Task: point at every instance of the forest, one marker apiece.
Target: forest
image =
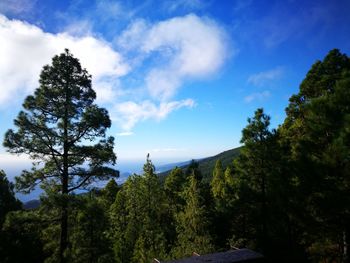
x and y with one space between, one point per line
286 195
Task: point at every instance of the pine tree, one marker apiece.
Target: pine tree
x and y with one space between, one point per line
316 132
223 196
109 193
57 128
173 186
254 169
89 240
193 225
8 201
137 218
151 242
218 183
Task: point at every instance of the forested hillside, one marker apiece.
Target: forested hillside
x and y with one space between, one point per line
206 165
285 193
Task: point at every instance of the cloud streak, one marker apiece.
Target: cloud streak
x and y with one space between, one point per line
17 7
128 113
261 78
260 96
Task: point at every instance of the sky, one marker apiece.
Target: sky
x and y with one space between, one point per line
179 78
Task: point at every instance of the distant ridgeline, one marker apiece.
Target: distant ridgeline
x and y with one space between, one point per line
206 165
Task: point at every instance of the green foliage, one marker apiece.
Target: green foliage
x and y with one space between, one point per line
193 226
8 201
109 192
254 171
218 182
207 165
89 240
20 238
137 217
173 186
316 132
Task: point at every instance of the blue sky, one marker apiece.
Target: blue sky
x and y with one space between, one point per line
179 78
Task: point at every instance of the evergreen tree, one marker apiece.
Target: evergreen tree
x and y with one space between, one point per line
316 132
218 182
254 167
120 226
52 129
8 201
109 193
193 224
20 238
151 242
223 195
138 218
89 240
173 186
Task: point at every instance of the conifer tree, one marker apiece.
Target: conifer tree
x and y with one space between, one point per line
173 186
89 240
57 129
193 225
8 201
218 182
151 242
254 168
316 132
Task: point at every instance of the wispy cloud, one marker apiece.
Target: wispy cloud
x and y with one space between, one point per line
125 133
127 114
261 78
16 7
188 5
239 5
286 21
294 25
187 47
259 96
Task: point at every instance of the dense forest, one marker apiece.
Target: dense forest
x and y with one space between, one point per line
286 195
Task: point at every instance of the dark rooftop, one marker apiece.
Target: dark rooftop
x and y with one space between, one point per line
231 256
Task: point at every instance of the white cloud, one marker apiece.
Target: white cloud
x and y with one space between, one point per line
187 47
133 35
261 78
260 96
79 28
168 53
26 48
127 114
125 133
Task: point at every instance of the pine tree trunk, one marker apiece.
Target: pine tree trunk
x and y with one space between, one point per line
64 211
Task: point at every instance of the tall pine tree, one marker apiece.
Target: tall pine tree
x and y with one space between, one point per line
56 129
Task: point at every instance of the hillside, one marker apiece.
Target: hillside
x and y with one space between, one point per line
206 165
